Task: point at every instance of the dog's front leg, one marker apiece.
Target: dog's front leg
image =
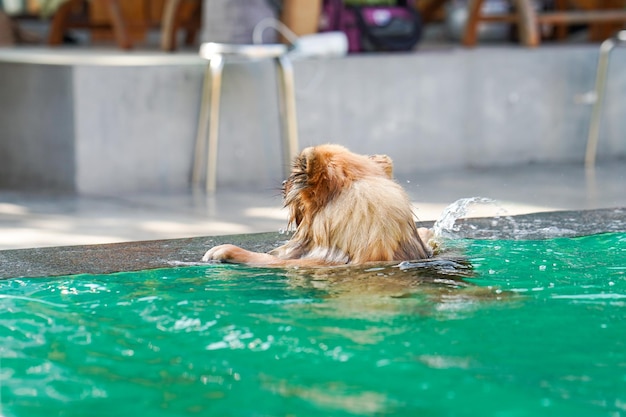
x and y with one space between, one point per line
236 255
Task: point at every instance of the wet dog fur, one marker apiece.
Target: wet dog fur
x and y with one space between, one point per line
346 208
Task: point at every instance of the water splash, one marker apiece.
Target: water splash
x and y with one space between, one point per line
446 226
287 230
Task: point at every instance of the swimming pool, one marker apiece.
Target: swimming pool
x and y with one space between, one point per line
535 328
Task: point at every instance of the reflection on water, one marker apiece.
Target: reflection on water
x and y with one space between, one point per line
334 397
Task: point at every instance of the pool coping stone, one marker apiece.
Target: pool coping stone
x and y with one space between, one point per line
141 255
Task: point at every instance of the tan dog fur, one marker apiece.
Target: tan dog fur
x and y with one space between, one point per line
347 210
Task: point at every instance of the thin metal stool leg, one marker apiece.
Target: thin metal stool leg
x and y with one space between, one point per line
600 89
596 112
216 66
206 144
289 119
201 133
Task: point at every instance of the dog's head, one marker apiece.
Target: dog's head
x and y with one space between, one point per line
320 173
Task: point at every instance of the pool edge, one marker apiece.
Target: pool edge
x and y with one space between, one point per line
133 256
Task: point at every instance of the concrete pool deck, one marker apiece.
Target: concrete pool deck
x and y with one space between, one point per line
179 228
135 256
29 220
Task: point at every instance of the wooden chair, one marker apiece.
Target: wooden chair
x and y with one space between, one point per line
430 8
75 14
529 21
169 15
180 14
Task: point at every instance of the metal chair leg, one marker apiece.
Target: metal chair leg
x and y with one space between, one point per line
208 123
216 67
208 126
600 88
289 120
201 133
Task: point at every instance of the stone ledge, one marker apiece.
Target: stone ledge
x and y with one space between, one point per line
133 256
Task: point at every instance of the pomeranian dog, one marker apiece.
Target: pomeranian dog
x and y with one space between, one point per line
346 209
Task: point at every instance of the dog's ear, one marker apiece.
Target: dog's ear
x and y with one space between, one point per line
321 175
307 161
301 166
385 163
313 162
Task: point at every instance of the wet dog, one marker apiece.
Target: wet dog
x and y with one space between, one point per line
346 208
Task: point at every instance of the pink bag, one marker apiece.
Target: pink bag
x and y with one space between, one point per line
374 28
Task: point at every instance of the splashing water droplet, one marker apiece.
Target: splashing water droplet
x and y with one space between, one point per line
286 231
500 224
444 226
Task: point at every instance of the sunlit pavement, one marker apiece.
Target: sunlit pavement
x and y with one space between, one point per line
30 220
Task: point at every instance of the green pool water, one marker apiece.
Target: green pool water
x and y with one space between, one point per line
537 329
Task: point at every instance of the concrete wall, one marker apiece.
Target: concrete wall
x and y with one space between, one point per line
463 108
134 127
36 127
95 127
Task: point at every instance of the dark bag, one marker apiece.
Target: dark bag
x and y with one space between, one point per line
374 28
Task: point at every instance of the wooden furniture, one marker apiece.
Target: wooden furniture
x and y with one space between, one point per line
429 9
598 32
127 21
75 14
529 21
301 16
180 14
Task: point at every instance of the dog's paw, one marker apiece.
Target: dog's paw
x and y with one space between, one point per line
221 253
